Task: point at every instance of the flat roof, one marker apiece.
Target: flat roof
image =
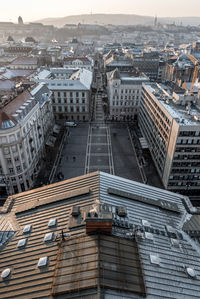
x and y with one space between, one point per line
176 111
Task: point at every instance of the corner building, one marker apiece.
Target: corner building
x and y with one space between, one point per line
25 124
171 126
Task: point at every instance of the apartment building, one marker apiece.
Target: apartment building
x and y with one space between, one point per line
25 124
24 63
171 126
124 93
79 62
71 89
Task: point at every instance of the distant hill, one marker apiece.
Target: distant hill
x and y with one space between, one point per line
117 19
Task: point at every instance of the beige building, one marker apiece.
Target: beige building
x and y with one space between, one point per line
25 124
173 135
71 89
24 63
124 93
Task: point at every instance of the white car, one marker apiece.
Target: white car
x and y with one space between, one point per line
70 124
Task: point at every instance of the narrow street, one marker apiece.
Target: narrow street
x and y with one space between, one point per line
99 150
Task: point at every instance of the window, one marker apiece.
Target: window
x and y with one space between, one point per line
14 148
18 168
9 161
11 170
6 150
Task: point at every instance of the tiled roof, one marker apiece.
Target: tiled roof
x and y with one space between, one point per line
14 105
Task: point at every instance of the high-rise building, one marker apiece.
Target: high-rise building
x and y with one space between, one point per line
171 126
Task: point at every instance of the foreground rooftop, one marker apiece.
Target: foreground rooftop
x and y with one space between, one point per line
98 236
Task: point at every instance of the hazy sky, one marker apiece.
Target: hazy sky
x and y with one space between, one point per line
36 9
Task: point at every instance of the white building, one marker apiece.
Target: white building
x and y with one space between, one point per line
24 127
173 135
79 62
71 90
124 93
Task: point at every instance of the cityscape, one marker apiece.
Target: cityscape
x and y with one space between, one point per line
100 154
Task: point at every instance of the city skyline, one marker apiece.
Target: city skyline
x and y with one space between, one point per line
38 10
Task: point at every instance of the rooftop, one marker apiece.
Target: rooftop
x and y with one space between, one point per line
145 253
178 112
24 60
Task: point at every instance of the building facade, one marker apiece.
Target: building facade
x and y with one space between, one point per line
124 93
173 135
25 124
79 62
71 90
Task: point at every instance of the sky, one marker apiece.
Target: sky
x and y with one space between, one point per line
31 10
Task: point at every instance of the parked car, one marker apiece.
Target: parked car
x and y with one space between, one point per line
70 124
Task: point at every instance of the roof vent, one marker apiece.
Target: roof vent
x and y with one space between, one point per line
170 229
121 211
21 243
145 222
5 273
43 261
154 259
191 272
27 229
75 211
48 237
148 236
175 242
52 222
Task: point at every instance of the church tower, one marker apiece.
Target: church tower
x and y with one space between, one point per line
155 21
20 21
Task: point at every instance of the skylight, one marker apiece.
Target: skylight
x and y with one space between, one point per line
191 272
154 259
5 273
27 229
21 243
43 261
148 236
52 222
48 237
145 222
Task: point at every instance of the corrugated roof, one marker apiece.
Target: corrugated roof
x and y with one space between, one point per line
166 280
